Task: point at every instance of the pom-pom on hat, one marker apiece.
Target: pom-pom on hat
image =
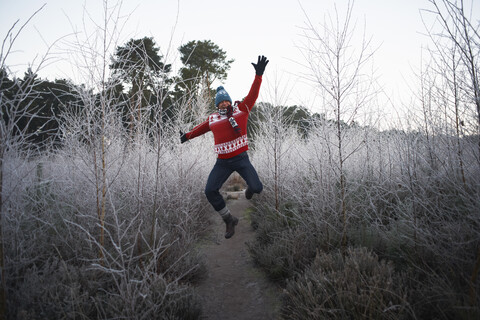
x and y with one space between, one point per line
222 95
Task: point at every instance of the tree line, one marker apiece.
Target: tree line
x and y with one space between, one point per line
140 83
142 87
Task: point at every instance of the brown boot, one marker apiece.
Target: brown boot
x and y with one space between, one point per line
231 222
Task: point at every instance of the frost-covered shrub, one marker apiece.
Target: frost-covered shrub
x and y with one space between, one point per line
285 252
155 211
439 296
61 290
284 244
404 198
355 286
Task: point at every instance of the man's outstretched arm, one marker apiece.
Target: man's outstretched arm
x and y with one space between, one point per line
249 101
202 128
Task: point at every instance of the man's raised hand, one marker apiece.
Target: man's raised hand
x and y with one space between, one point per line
260 65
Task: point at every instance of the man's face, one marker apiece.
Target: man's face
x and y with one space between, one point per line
224 104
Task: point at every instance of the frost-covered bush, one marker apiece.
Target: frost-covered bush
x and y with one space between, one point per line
280 247
59 289
356 285
58 264
404 199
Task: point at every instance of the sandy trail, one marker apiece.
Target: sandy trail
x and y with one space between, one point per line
233 287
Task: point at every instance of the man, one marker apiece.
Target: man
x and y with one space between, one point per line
229 128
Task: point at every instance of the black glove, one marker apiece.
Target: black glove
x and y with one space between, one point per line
260 65
183 137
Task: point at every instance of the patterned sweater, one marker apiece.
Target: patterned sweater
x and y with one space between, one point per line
227 143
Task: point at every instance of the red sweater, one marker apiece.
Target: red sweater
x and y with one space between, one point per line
227 143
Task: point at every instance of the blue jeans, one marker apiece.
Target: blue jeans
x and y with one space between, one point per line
222 170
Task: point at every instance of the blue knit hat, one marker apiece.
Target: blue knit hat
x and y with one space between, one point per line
222 95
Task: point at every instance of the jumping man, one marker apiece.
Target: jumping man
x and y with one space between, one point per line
229 127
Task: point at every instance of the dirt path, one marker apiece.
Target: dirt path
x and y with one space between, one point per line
234 288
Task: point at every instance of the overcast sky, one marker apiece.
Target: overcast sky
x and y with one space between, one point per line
244 29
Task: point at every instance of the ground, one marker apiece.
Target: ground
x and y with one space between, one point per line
234 288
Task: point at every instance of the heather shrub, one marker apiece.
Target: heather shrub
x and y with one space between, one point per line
400 201
286 252
56 265
61 289
439 295
282 246
138 260
356 285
